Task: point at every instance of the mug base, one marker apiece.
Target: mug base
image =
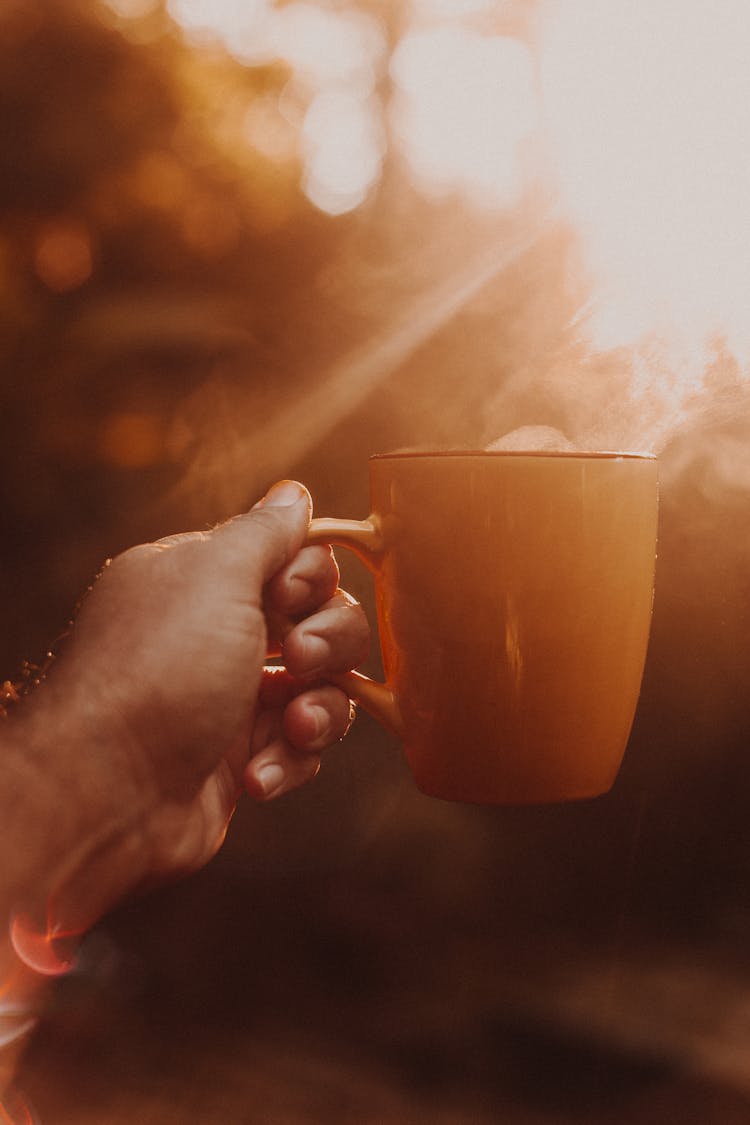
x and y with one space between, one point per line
512 798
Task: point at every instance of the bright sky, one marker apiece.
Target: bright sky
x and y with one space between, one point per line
648 106
645 108
464 102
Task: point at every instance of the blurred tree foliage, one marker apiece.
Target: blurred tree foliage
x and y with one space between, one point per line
165 288
142 246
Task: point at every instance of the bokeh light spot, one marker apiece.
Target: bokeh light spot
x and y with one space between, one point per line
453 9
269 131
210 226
158 181
132 440
464 102
63 256
241 26
326 47
133 9
344 148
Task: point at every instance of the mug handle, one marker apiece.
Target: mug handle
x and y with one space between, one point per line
364 539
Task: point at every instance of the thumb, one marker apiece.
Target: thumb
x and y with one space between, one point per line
272 532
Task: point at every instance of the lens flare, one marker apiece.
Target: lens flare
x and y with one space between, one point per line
50 952
648 111
19 1011
304 421
14 1110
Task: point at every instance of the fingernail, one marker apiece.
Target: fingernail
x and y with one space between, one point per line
270 778
315 654
282 495
321 721
299 592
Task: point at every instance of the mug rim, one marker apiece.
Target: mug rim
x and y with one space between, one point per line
584 454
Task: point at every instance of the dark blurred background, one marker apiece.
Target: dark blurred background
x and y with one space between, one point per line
196 299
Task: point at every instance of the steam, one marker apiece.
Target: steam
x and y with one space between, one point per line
539 439
648 111
641 398
644 114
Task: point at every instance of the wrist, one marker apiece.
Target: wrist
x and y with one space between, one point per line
74 809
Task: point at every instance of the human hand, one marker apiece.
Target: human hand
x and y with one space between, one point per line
161 709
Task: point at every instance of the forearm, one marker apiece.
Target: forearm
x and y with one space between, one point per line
67 847
33 828
65 822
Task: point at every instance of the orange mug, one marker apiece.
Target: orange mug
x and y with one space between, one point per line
514 595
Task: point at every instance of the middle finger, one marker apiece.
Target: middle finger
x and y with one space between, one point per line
334 639
304 584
